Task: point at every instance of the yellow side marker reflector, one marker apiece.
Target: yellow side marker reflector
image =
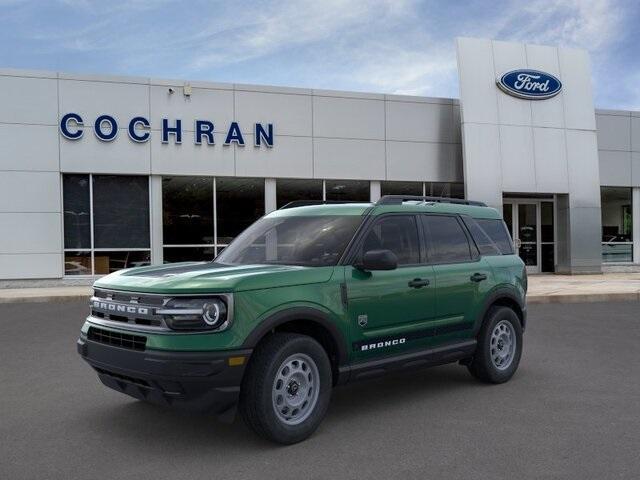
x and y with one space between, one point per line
236 361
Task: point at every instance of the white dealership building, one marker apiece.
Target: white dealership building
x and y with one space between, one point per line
98 173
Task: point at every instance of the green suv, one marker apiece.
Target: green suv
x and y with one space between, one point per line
309 297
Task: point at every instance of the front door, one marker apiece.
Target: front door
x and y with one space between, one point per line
531 224
388 309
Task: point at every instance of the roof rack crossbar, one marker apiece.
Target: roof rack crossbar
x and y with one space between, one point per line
399 199
306 203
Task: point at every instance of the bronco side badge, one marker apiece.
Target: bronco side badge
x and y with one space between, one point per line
362 320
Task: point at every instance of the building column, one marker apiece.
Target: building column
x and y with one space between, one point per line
155 197
374 190
635 216
270 203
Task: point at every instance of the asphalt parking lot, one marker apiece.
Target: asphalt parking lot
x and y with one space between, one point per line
571 411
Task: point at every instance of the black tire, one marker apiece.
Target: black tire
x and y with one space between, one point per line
482 366
256 403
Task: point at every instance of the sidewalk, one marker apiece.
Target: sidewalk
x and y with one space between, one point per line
611 287
42 295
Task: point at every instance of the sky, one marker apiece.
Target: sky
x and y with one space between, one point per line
383 46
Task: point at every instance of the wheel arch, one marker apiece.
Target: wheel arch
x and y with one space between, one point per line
506 298
307 321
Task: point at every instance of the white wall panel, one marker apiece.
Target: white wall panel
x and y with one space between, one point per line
615 168
510 56
338 117
576 89
30 192
614 132
121 155
30 233
203 104
349 159
420 122
28 266
550 152
123 101
635 168
28 100
477 81
516 151
290 114
293 158
583 168
191 159
457 125
550 112
635 134
482 169
419 161
29 147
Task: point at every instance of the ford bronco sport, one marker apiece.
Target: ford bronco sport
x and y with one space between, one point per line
310 297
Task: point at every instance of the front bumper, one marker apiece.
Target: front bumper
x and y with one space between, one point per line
200 381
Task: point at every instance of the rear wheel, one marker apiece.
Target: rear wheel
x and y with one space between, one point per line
286 389
499 346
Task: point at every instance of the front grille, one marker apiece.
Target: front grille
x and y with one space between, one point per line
117 339
129 297
135 309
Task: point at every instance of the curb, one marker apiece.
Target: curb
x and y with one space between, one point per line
584 298
44 299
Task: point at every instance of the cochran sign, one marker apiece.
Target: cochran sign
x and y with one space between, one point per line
529 84
105 128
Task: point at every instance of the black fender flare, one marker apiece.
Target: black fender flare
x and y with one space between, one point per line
299 313
499 294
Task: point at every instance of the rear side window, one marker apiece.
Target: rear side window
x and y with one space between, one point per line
446 240
485 245
497 231
397 233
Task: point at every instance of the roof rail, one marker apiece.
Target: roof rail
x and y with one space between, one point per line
306 203
399 199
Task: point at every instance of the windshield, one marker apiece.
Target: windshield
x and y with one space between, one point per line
315 241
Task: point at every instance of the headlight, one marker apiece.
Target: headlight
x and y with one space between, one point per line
195 314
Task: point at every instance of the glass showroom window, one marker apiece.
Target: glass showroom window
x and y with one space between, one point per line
347 190
239 203
401 188
617 227
187 219
290 190
201 215
429 189
106 223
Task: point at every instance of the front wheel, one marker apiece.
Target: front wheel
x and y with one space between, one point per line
499 346
286 389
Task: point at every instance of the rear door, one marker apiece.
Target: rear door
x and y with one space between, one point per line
462 276
387 308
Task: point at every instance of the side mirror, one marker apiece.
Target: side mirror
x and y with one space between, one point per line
378 260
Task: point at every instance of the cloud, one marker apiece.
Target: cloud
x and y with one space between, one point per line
394 46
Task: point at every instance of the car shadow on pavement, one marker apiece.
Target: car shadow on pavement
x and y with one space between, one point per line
154 427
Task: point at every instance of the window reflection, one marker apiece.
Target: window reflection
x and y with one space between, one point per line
617 224
348 190
187 210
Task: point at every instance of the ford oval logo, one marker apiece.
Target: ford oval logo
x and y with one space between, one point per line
529 84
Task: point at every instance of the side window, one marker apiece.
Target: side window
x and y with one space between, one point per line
497 231
483 242
397 233
446 239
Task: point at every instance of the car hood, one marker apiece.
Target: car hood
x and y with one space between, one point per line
211 277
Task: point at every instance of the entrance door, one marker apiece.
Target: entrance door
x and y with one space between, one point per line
531 224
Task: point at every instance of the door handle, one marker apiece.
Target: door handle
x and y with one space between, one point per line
478 277
418 282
